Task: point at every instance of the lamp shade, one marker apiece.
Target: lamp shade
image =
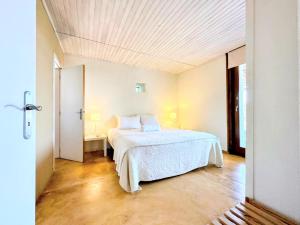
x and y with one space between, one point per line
173 116
95 116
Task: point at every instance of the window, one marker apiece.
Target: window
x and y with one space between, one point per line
140 87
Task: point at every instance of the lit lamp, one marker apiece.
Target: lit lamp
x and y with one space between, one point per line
95 117
172 119
173 116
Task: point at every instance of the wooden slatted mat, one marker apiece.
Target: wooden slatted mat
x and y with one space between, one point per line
247 213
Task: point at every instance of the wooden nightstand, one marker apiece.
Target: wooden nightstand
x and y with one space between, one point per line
98 138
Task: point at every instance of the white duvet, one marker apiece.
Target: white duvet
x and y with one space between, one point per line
147 156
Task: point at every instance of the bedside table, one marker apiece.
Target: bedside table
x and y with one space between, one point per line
98 138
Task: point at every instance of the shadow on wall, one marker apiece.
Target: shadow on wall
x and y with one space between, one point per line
111 123
44 168
101 126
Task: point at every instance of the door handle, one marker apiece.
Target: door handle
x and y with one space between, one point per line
33 107
81 112
237 108
27 111
28 116
26 107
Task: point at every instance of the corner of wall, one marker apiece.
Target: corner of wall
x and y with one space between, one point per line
47 45
249 188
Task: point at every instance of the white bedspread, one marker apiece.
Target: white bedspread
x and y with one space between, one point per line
146 156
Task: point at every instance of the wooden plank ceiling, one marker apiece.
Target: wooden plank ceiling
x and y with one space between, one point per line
167 35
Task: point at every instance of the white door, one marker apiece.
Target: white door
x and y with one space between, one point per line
17 75
72 110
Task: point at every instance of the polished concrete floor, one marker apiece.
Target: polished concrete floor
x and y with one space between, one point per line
89 193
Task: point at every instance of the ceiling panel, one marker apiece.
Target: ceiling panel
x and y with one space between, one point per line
168 35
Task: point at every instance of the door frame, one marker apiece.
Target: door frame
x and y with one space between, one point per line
233 139
56 105
250 18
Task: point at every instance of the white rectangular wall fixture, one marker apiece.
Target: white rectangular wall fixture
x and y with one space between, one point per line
140 87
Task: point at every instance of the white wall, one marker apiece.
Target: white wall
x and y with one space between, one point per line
110 91
47 46
202 98
273 163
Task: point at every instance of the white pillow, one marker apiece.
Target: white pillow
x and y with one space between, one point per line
129 122
149 123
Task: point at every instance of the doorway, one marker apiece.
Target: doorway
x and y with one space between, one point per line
236 109
56 109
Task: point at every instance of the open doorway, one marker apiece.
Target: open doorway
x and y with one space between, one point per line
236 108
56 109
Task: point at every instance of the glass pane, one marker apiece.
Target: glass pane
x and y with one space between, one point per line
140 87
242 104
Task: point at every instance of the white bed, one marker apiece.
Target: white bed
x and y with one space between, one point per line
148 156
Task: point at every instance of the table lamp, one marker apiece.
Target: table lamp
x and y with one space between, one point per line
95 117
173 116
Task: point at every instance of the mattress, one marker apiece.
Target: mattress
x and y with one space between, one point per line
148 156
